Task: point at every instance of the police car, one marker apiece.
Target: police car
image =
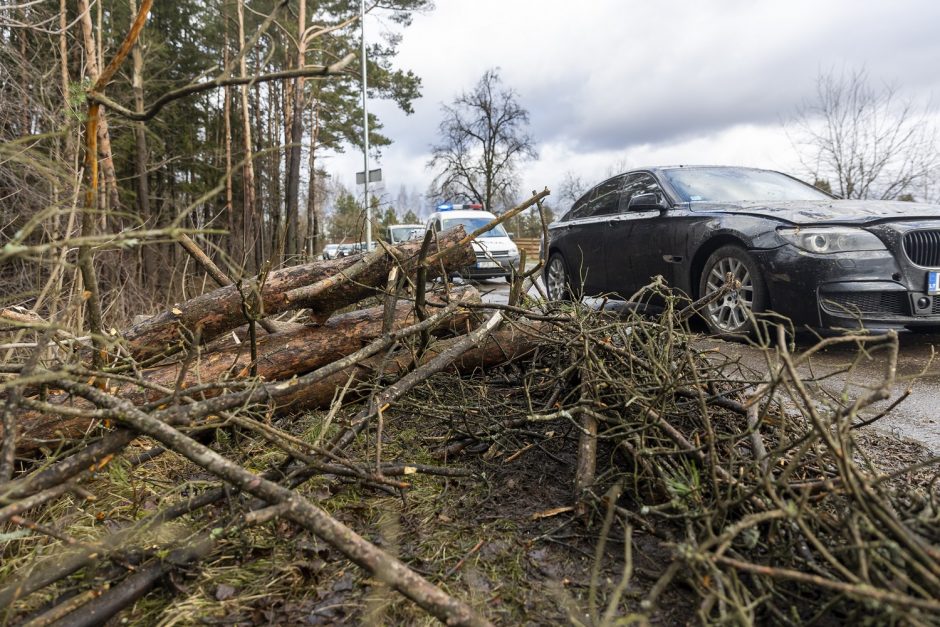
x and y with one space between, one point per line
497 255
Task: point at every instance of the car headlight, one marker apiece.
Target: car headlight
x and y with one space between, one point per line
832 240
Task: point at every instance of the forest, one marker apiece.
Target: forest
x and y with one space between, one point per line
238 159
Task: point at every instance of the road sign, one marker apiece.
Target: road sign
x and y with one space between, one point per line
374 177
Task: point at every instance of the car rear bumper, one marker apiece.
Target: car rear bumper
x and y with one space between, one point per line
850 290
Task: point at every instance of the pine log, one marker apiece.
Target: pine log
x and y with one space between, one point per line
280 356
221 310
296 352
510 343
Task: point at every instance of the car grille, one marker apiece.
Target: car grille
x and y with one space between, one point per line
923 247
495 254
882 303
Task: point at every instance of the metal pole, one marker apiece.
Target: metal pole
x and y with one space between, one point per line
365 129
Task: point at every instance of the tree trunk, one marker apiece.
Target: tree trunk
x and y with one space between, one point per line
141 158
248 177
502 346
219 311
280 357
104 137
296 137
311 237
274 196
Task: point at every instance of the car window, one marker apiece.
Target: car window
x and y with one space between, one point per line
472 224
640 183
580 206
723 184
606 200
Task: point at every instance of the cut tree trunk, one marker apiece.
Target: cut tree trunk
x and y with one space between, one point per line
280 357
221 310
510 343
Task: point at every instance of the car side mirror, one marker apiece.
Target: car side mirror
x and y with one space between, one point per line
648 201
511 235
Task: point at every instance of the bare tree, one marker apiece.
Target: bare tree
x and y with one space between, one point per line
483 139
571 188
867 142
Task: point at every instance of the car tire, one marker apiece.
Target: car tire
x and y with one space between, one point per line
730 316
556 277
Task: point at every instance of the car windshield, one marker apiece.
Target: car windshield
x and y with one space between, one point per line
472 224
738 184
401 233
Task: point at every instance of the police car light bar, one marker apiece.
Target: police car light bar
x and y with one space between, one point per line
450 207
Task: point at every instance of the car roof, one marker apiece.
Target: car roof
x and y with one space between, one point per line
693 166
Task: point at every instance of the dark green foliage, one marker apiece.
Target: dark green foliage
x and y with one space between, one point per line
186 142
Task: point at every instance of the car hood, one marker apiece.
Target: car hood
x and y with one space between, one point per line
836 211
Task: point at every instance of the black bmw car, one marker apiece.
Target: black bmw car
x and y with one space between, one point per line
819 260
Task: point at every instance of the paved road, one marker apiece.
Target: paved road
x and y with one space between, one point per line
917 417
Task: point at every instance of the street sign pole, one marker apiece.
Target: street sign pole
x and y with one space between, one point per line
365 129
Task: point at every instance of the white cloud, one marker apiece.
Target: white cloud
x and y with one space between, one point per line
612 82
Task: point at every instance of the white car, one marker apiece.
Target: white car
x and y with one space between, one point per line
329 251
398 233
497 254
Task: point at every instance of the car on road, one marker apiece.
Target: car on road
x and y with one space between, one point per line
329 251
346 250
398 233
792 248
497 255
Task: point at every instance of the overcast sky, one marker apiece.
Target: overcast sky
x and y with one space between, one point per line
614 84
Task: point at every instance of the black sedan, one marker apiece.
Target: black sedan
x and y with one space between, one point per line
796 250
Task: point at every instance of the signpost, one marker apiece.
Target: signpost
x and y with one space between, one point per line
365 131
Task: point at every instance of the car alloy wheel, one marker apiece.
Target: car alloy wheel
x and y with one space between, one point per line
730 314
556 279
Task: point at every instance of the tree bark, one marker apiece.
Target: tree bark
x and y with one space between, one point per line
280 357
104 137
504 345
141 158
219 311
312 235
248 177
296 137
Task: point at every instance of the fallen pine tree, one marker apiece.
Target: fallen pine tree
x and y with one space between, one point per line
278 356
92 414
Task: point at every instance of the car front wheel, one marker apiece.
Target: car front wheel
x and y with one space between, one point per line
730 314
556 279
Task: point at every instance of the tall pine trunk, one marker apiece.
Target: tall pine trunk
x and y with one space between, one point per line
296 137
312 244
252 240
148 260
